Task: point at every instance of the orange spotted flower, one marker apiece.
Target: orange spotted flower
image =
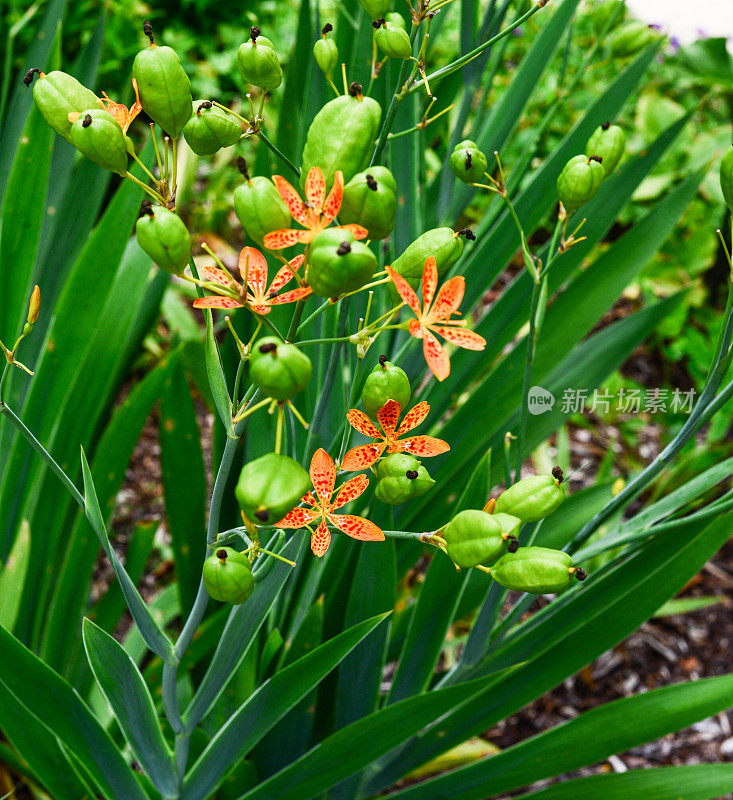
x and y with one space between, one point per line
259 298
323 475
365 455
122 114
315 215
436 317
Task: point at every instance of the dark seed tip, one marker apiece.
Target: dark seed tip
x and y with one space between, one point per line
557 474
599 159
242 166
513 545
268 347
148 31
468 233
411 474
469 160
371 183
254 32
146 207
222 554
581 574
87 121
382 360
262 515
204 104
28 79
605 126
377 24
343 249
327 28
355 89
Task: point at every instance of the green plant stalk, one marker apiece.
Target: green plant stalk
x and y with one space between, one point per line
278 152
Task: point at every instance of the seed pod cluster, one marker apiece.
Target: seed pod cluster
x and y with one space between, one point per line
385 382
57 94
400 478
370 200
270 486
277 369
338 264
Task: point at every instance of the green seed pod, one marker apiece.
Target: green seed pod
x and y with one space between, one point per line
467 162
210 129
270 486
392 40
608 142
385 382
376 8
57 95
603 12
277 369
165 90
509 524
532 499
443 243
336 269
326 52
631 38
259 206
258 62
341 136
228 576
473 537
537 570
164 237
400 478
726 178
370 200
395 19
97 135
579 181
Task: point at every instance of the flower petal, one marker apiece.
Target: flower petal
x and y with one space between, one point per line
359 420
287 237
356 230
217 302
350 490
320 540
461 337
323 474
435 356
406 292
388 416
284 275
252 264
291 296
429 282
362 457
315 188
414 417
296 207
333 202
258 308
357 527
425 446
298 518
215 275
449 298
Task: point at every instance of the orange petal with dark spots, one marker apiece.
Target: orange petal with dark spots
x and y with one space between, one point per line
323 474
350 490
320 540
217 302
357 527
362 457
425 446
414 417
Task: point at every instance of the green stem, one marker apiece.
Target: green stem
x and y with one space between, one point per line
314 315
157 197
295 325
278 153
143 167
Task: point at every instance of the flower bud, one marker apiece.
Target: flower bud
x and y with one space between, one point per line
258 62
579 181
57 95
532 499
164 237
608 143
385 382
210 129
392 40
277 369
467 162
34 305
259 207
444 244
370 200
400 478
337 264
269 487
228 576
97 135
326 52
474 537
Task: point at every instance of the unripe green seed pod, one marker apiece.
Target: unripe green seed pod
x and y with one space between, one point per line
630 38
392 40
532 499
165 90
57 95
385 382
467 162
726 178
326 52
537 570
97 135
509 524
444 244
603 12
341 136
259 206
210 129
164 237
270 486
370 200
336 269
474 537
258 62
277 369
376 8
608 142
228 576
400 478
579 181
395 19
